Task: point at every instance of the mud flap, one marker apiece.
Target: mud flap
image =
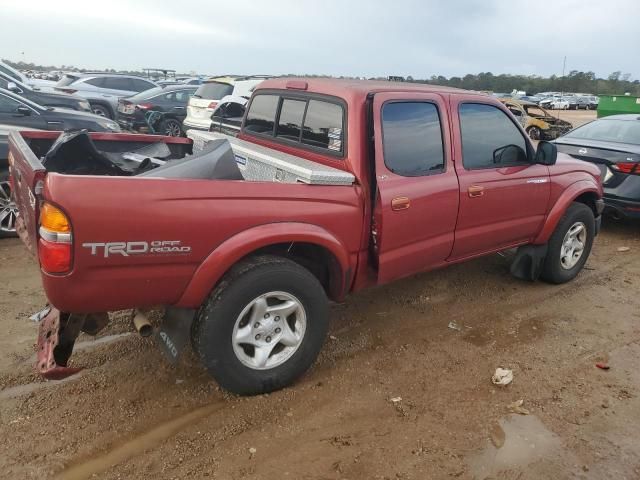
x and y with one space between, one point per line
174 331
527 264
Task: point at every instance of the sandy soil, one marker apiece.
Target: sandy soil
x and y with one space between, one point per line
130 415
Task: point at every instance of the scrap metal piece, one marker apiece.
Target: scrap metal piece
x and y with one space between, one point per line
56 337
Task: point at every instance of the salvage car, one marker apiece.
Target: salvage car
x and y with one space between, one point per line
170 100
537 122
47 99
103 90
613 144
330 187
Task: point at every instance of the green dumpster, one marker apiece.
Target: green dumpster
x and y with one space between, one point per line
617 104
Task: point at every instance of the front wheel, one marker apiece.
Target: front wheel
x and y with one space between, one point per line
534 133
170 127
570 244
263 326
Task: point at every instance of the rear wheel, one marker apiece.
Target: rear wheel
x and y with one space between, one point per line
8 208
263 326
570 244
101 110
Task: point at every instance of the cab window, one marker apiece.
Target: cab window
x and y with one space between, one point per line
486 131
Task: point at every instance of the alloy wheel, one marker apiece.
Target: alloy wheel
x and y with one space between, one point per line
573 245
8 209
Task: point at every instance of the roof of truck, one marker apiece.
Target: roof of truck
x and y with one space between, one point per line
338 86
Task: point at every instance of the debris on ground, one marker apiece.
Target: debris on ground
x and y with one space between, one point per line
333 337
624 249
603 366
455 326
252 450
395 399
497 435
516 407
502 377
38 316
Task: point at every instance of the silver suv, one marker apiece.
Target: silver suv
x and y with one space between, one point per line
103 90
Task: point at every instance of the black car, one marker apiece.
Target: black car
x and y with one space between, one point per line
171 101
614 144
47 99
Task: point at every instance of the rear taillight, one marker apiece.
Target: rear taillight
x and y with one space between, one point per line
55 245
627 167
213 105
144 106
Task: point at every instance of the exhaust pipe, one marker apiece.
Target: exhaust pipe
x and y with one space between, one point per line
142 324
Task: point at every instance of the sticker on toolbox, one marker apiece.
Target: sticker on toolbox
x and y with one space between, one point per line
240 159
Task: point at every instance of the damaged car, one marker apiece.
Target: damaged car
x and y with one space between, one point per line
537 122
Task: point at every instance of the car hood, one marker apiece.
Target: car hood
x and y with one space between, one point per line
583 142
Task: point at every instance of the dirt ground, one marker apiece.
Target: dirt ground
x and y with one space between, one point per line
396 394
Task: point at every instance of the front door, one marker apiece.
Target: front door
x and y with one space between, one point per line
503 195
417 198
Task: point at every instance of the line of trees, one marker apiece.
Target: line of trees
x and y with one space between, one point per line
575 81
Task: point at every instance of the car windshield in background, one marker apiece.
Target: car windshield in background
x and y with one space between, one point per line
618 131
66 80
214 90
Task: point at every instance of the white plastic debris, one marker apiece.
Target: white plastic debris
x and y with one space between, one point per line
455 326
624 249
395 399
252 451
502 377
38 316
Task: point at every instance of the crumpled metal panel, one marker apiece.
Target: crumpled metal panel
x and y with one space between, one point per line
258 163
49 339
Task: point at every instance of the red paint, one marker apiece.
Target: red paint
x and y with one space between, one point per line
223 221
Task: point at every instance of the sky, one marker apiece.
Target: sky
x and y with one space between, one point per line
350 37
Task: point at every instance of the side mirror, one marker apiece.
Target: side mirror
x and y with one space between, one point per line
11 86
509 155
547 153
23 111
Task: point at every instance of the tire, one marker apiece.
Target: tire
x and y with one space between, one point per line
101 110
170 127
557 268
221 320
8 209
534 133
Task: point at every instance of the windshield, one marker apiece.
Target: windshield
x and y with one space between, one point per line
213 90
67 80
618 131
9 71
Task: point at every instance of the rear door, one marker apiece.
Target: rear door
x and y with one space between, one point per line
417 198
503 201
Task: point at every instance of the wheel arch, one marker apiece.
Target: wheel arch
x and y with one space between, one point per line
582 191
310 246
105 104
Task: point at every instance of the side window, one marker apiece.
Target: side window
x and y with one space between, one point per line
412 138
290 120
118 83
486 130
183 95
323 125
262 114
96 82
8 105
139 85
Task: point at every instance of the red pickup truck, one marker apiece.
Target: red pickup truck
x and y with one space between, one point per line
412 178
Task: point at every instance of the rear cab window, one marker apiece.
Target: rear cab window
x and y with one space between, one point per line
310 122
213 90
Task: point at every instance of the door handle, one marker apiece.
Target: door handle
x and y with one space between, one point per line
475 191
400 203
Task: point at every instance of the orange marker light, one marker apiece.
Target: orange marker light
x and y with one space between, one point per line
53 219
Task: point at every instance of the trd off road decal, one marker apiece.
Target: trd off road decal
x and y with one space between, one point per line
155 247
